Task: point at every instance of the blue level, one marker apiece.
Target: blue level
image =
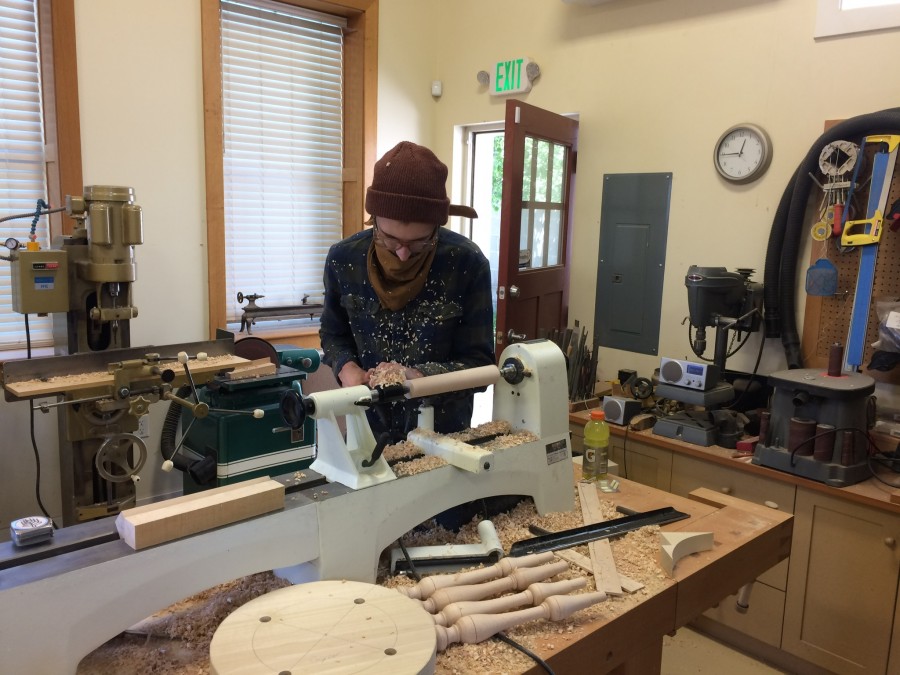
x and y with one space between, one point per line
866 234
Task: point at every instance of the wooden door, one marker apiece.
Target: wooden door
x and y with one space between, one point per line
535 223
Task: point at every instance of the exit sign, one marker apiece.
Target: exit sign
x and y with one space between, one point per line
509 77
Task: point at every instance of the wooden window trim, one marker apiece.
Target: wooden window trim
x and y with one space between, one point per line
62 122
360 105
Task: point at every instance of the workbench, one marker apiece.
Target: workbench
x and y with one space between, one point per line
834 603
748 539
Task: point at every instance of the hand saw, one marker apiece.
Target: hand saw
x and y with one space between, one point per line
866 234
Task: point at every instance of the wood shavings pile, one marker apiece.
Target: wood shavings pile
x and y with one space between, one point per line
387 373
227 361
408 459
401 451
176 640
636 555
487 429
418 465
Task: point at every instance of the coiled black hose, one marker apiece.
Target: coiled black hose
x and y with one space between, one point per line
167 443
788 226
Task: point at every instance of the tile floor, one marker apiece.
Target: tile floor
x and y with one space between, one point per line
690 652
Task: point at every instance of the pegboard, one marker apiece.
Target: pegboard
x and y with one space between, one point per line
827 319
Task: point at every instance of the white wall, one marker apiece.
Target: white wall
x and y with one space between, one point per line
654 82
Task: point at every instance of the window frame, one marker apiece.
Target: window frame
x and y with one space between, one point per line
360 106
832 20
61 122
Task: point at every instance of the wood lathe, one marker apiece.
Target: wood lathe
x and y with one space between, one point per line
334 525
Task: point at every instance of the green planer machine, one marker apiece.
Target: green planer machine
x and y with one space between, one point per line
243 436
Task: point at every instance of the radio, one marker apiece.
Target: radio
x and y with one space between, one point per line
700 376
620 410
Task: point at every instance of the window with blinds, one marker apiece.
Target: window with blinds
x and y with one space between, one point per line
22 178
282 73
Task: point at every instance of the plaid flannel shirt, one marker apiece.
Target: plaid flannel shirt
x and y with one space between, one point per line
448 326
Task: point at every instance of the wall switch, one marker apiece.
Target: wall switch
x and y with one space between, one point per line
437 88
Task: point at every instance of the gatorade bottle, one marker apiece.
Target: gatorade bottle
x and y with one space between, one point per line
595 463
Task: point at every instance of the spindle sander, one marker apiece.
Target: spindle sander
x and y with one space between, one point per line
818 422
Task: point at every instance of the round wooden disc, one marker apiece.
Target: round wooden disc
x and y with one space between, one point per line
333 627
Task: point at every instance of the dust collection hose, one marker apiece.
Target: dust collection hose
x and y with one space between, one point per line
167 443
788 226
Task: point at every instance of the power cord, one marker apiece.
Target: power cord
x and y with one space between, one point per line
503 637
34 447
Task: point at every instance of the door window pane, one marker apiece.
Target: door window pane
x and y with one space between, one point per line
543 181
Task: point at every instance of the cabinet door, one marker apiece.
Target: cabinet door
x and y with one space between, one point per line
642 463
689 473
842 584
763 619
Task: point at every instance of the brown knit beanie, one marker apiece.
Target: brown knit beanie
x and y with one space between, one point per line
409 184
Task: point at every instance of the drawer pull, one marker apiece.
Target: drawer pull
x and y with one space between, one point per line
890 542
770 504
726 490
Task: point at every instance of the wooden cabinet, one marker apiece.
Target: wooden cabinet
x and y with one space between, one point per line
641 462
763 619
842 585
834 604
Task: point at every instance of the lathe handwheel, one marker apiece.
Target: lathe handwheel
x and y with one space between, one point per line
293 412
113 459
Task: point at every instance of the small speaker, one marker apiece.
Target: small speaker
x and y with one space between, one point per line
620 410
688 374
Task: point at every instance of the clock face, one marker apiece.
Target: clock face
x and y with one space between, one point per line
742 153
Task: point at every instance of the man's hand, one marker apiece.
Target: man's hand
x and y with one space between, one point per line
352 375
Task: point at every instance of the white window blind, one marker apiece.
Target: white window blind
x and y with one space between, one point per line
22 178
282 73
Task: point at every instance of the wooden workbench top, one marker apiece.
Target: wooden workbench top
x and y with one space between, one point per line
748 539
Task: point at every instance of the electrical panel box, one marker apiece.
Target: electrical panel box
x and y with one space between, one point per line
40 282
634 222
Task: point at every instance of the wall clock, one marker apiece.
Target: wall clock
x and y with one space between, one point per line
743 153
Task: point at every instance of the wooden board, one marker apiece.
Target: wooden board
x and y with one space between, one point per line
606 577
153 524
326 627
254 368
66 383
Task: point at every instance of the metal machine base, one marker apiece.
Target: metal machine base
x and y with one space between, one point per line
693 428
830 473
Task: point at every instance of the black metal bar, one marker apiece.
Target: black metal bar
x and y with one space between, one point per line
587 533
